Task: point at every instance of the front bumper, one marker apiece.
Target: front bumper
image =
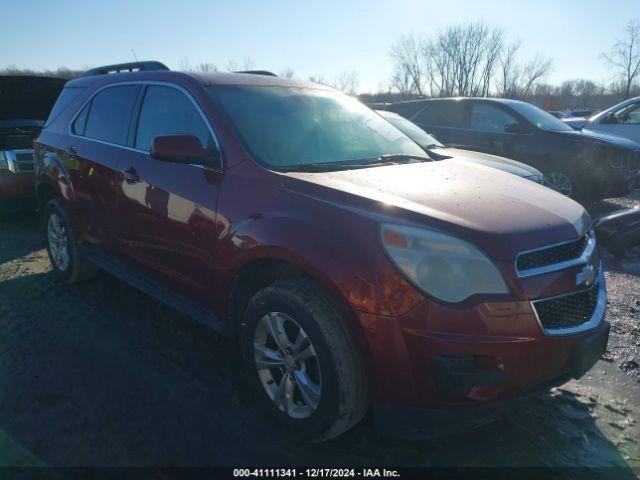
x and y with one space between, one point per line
487 351
410 422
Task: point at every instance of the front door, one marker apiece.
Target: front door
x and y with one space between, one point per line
168 210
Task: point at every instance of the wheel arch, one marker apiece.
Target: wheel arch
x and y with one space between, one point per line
258 273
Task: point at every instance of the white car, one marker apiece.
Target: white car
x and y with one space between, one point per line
622 120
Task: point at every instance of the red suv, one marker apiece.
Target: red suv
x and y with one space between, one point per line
353 272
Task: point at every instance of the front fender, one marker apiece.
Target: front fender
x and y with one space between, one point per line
347 260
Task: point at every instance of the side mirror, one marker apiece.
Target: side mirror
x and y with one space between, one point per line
609 118
515 128
178 149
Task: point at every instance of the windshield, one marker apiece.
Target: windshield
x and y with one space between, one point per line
285 127
539 117
411 130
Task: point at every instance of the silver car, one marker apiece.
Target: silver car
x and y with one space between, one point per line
622 120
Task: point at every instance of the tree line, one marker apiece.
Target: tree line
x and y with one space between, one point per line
475 59
468 59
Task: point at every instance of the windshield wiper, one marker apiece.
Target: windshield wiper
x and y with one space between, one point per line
396 157
321 167
387 159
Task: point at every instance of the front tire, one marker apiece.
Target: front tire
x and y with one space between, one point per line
567 184
306 370
62 246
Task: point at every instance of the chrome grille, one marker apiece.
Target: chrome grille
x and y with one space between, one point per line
567 311
532 261
20 161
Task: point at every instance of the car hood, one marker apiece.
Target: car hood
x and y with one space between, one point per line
575 122
501 213
599 138
493 161
28 97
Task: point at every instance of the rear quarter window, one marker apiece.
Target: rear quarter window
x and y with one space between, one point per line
66 97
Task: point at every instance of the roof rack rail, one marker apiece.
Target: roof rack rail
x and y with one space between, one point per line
125 67
257 72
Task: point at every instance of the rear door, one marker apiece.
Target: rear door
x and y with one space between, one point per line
92 154
168 210
447 120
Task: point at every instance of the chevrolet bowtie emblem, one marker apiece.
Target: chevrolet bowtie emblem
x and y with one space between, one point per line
586 277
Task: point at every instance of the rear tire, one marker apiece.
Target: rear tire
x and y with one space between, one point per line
326 393
65 254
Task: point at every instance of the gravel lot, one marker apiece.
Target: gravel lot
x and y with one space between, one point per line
99 374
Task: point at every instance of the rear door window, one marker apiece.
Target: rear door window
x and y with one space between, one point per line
444 114
490 118
110 112
168 111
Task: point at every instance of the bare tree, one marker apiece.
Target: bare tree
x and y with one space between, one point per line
624 56
463 60
287 73
518 80
409 75
206 67
347 81
234 66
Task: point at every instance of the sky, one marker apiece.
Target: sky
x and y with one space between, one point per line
311 37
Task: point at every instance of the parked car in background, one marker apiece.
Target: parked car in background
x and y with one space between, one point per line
581 112
437 151
622 119
352 271
25 103
584 165
559 114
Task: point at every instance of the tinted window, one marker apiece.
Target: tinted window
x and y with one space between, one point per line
444 114
167 111
485 116
539 117
81 120
67 96
110 113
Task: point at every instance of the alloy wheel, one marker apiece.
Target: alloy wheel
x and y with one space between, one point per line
560 182
287 365
58 242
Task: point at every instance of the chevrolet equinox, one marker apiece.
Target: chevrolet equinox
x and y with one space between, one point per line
353 273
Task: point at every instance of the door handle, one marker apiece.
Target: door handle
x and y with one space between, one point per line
130 175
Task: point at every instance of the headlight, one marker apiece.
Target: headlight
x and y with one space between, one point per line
4 164
445 267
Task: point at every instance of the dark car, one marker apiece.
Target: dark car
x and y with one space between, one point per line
559 114
25 103
584 165
437 151
353 272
